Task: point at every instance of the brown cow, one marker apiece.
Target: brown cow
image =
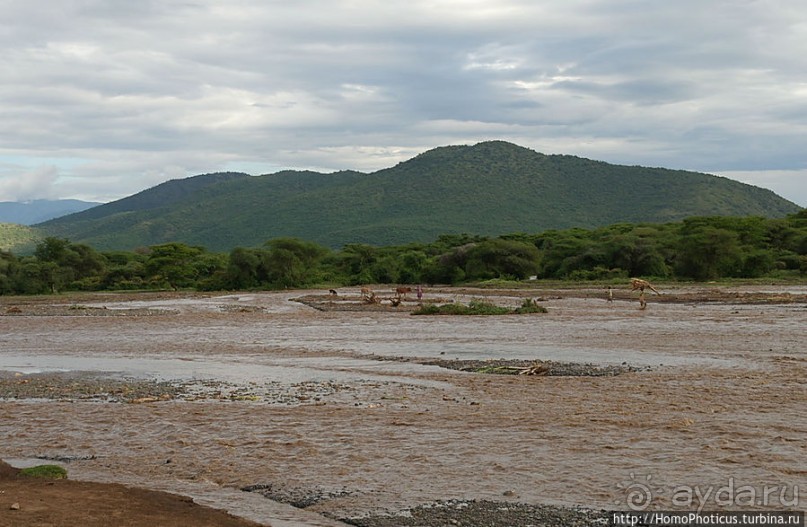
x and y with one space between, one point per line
400 292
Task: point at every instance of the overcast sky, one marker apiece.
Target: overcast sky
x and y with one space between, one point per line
100 99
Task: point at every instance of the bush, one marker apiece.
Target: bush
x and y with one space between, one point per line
530 306
478 307
598 273
45 472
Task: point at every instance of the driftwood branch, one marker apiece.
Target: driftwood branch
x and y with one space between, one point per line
535 369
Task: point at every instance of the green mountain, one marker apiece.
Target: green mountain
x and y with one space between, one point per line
490 188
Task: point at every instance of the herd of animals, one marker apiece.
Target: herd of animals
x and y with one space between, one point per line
369 296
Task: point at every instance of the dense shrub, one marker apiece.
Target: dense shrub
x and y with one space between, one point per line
698 248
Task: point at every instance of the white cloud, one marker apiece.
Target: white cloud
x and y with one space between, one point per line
126 94
32 184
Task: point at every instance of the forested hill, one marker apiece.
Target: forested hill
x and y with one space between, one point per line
490 188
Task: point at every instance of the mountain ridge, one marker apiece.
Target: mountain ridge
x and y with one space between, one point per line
36 211
490 188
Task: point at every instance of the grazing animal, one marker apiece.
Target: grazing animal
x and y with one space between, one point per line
333 292
638 283
400 292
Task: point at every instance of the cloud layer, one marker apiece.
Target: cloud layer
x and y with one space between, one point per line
103 98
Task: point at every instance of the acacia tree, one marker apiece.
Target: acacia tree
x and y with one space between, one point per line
63 264
500 258
354 263
566 251
9 267
707 253
290 262
242 269
413 263
173 264
636 255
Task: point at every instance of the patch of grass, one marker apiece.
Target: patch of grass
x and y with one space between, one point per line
530 306
45 472
475 307
478 307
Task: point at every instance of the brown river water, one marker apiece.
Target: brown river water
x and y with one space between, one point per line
716 418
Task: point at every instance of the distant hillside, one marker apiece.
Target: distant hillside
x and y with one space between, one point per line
490 188
39 210
19 239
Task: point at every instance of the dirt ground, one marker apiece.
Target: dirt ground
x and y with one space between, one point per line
35 502
291 415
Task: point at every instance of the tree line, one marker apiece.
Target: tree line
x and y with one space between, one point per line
698 248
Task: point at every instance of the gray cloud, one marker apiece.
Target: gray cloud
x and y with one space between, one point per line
33 184
115 96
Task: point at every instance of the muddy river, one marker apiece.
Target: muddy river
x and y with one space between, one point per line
336 406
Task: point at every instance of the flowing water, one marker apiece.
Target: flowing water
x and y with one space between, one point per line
724 405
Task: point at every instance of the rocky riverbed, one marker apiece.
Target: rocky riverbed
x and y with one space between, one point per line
381 418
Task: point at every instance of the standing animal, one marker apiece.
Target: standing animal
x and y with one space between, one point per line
638 283
400 292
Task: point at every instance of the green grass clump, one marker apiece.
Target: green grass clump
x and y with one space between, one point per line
530 306
45 472
478 307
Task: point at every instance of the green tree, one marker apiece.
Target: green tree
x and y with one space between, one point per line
34 277
499 258
566 251
757 263
173 264
69 265
707 253
386 269
637 255
354 263
290 262
242 269
124 270
449 267
9 270
413 263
